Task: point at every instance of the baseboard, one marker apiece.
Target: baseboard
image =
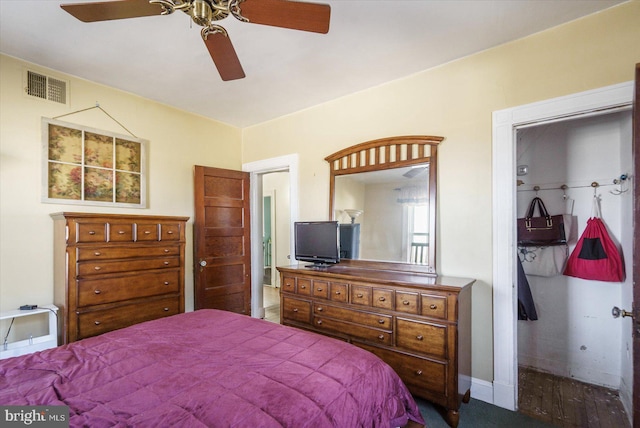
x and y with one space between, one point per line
482 390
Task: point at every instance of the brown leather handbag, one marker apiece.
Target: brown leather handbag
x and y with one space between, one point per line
544 230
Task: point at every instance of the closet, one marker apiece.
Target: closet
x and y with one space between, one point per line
567 163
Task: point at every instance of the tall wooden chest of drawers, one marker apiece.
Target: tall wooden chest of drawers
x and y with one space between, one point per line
112 271
419 324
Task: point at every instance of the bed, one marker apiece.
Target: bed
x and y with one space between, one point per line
215 369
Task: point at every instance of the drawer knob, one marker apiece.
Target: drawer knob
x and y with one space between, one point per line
319 288
166 283
166 250
320 309
121 232
97 268
432 306
381 337
92 232
418 372
359 295
295 309
170 232
303 286
381 321
382 299
96 322
419 337
166 263
147 232
319 322
166 309
97 291
337 293
405 302
97 253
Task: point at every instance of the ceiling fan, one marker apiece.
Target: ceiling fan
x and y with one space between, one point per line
295 15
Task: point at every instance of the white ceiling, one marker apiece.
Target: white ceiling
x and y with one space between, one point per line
369 43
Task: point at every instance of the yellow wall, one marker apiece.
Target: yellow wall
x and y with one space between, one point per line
456 101
177 142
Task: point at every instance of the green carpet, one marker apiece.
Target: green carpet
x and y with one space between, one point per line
478 414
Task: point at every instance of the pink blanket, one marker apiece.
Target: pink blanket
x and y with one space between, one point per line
215 369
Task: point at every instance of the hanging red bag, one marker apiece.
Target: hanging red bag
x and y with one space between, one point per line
595 257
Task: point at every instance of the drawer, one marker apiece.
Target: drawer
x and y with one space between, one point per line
304 286
407 302
121 232
289 284
98 267
356 317
147 232
296 310
434 305
108 252
383 298
109 290
423 337
356 331
321 289
361 295
170 232
97 322
91 232
419 374
338 292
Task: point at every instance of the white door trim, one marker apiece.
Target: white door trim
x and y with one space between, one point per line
505 123
256 170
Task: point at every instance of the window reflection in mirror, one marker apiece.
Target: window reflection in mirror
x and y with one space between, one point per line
384 215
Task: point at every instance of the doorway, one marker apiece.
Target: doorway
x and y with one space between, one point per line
571 342
274 180
505 125
276 237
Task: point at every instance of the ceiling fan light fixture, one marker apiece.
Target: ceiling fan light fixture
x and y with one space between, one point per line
292 14
201 12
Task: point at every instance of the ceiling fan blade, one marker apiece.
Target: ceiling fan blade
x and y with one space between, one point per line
296 15
224 55
108 10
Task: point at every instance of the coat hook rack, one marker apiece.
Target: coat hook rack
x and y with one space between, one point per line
621 182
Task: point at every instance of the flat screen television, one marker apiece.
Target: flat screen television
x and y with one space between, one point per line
317 242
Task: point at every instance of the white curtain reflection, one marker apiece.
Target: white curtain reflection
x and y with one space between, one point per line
413 195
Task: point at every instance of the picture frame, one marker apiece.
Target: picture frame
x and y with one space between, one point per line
88 166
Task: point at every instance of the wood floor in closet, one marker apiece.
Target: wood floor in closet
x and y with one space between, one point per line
565 402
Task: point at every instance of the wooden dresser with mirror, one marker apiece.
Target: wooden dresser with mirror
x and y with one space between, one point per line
388 298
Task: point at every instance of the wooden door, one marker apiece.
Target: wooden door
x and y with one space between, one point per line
636 249
222 240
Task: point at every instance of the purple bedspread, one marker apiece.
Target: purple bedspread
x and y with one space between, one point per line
211 368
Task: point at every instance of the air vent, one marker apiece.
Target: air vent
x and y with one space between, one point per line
46 87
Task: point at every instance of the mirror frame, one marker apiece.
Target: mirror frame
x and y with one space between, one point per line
389 153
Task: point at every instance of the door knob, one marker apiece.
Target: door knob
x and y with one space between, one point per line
202 263
617 313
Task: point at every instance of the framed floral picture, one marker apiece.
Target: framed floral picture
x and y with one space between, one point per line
92 167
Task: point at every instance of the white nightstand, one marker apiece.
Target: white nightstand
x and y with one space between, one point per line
33 344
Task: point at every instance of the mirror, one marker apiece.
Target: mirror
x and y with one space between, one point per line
383 194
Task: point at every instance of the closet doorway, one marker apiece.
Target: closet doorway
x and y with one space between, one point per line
572 354
506 124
